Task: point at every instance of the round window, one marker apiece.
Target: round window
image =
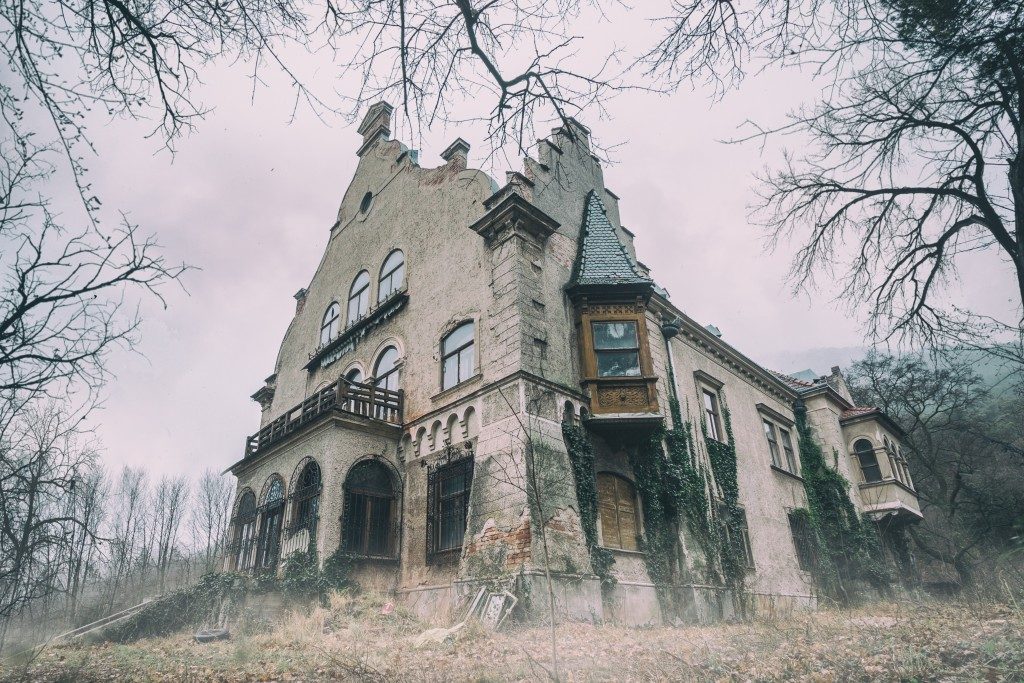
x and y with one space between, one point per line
364 205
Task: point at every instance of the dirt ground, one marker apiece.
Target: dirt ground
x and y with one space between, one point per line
352 640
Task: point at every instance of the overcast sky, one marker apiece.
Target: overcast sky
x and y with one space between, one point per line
248 198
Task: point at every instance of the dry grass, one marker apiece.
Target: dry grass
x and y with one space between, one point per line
351 640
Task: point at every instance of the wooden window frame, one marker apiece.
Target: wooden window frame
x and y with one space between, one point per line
470 345
620 483
789 450
713 417
598 352
382 293
774 448
326 324
358 296
616 395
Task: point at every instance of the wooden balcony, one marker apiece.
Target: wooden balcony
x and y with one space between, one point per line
353 398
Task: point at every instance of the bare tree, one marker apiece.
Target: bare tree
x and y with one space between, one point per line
169 508
42 458
211 511
126 529
917 160
86 505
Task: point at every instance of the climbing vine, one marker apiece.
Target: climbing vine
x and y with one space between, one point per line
581 456
847 549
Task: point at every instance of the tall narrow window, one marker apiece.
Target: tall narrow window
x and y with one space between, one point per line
711 415
448 490
245 531
773 443
329 325
868 462
742 540
803 540
359 297
616 348
457 351
392 275
616 504
368 525
269 545
787 447
307 499
385 372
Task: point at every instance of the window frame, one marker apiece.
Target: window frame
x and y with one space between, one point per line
359 506
469 346
271 527
789 450
392 288
620 482
859 454
774 448
246 518
635 349
394 371
713 415
306 499
803 540
458 504
330 325
361 298
743 527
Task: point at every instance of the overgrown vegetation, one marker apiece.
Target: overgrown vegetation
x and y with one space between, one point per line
847 548
581 456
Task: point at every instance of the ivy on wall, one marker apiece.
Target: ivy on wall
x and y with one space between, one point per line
728 522
847 548
581 456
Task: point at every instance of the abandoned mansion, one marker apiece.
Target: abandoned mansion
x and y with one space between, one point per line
482 385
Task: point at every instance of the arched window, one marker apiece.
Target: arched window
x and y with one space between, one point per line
617 512
868 462
370 503
354 375
359 297
457 356
245 531
305 509
385 372
392 275
329 325
269 546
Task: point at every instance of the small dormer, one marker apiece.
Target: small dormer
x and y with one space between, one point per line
611 294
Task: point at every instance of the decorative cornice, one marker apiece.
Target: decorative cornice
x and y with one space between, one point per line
514 216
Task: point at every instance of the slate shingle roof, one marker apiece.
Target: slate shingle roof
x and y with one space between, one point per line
602 259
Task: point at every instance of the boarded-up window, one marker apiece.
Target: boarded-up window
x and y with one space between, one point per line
616 502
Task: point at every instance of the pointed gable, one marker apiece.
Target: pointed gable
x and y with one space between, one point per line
602 259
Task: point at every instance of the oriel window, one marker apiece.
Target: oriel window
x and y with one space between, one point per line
457 356
616 348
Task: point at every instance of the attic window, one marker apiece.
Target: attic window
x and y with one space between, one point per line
365 204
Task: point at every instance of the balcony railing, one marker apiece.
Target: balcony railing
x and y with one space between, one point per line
343 396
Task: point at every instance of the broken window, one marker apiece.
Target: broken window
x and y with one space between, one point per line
245 531
458 351
742 539
370 511
359 297
392 275
712 417
448 488
803 540
329 325
868 461
616 503
306 504
269 546
617 349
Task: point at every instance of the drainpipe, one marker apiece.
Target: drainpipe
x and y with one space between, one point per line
669 329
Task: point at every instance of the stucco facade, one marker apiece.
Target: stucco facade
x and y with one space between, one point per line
432 402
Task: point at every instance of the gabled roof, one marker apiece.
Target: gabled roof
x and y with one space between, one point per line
602 259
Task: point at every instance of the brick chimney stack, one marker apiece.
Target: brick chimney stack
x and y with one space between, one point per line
457 153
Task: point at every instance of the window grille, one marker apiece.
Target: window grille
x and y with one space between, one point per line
369 518
448 489
803 540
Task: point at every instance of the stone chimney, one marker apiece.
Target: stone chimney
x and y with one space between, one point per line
376 125
457 153
838 382
300 300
